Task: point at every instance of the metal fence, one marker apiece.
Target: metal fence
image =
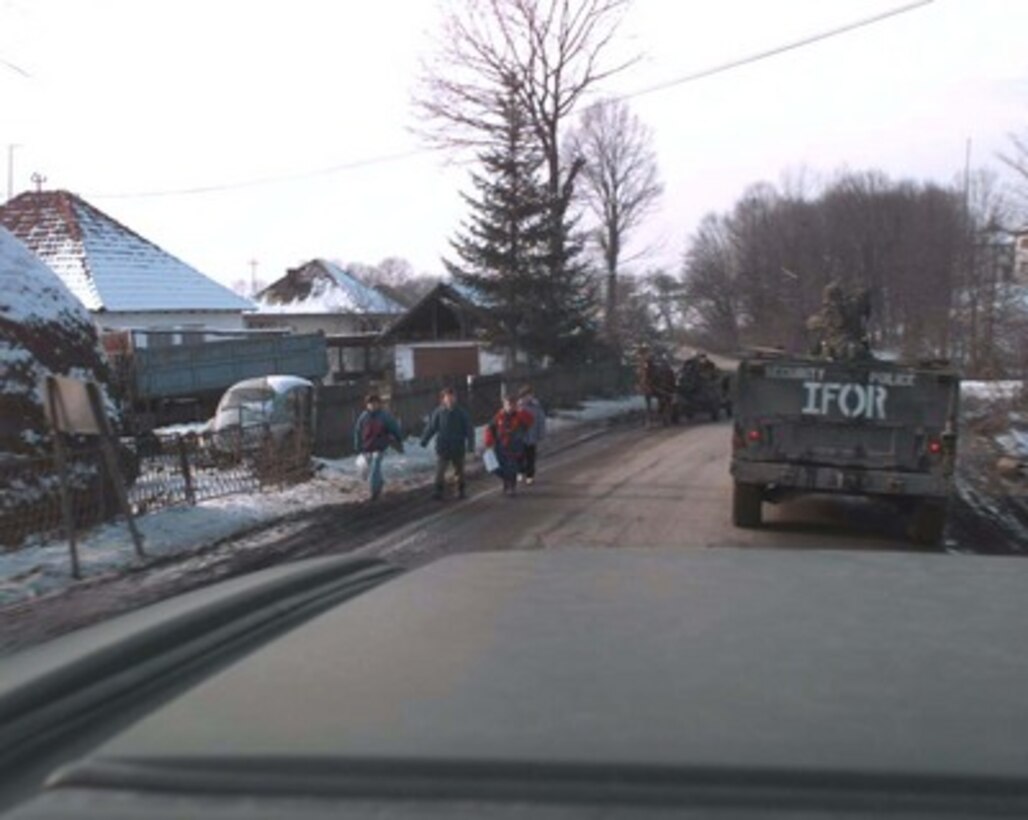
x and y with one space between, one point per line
160 472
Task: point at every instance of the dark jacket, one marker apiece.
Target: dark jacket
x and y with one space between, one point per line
374 432
451 428
537 432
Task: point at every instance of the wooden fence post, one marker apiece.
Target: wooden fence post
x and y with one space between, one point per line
62 471
184 468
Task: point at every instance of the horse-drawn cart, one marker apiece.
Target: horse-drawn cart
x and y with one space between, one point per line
706 393
697 387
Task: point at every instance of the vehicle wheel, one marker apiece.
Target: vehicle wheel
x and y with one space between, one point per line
728 409
676 414
715 413
747 500
928 523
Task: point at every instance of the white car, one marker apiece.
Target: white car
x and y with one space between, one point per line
254 409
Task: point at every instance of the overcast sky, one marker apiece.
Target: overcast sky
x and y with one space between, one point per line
116 98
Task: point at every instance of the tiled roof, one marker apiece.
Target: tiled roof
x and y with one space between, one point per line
106 265
320 287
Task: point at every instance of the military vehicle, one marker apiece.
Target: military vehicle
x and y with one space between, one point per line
856 426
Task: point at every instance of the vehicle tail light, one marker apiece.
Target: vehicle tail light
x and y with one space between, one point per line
934 446
754 436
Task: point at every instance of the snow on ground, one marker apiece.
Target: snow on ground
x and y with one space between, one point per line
1015 442
993 464
595 410
992 391
196 428
992 408
43 567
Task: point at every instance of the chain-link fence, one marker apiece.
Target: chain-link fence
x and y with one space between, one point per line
159 472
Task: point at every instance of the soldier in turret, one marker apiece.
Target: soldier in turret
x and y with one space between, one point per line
841 323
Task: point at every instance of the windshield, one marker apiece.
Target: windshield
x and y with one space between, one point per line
629 275
251 396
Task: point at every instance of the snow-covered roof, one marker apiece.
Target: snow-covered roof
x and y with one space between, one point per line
442 312
106 265
320 287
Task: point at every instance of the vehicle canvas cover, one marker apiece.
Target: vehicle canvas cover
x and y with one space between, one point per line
871 414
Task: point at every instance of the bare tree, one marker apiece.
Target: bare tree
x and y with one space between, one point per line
711 283
1017 157
621 182
548 53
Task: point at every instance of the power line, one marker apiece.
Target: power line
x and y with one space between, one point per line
252 183
15 68
390 158
774 52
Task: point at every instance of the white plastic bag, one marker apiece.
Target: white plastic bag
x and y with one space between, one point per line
363 466
492 463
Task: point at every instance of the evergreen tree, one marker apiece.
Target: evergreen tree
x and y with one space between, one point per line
566 322
501 247
542 304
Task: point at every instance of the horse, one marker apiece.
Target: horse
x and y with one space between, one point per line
657 381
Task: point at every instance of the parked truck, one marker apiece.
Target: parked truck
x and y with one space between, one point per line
164 378
863 427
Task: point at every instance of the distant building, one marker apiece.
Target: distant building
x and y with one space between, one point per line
442 335
1021 256
996 254
319 296
124 280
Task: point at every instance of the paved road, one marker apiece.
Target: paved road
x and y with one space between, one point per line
639 488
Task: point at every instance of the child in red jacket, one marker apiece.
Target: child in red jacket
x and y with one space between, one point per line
506 435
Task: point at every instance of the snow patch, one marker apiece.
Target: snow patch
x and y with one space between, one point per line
992 391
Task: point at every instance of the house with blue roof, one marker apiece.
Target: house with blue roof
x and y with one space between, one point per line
123 280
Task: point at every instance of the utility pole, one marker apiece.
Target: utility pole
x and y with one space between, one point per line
10 169
253 277
971 271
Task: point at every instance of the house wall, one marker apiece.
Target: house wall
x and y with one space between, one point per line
430 359
490 364
403 363
184 321
347 360
330 324
1021 259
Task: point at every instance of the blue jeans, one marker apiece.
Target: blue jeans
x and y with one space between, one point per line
375 480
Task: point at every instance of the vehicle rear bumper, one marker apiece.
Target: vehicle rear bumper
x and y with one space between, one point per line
816 478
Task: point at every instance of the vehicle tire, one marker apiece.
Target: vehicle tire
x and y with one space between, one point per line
715 413
747 500
676 414
928 523
728 409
